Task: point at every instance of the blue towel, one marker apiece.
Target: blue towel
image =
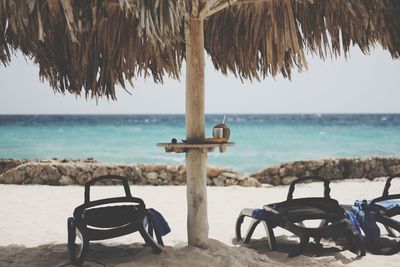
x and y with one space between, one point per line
365 215
352 217
159 223
261 214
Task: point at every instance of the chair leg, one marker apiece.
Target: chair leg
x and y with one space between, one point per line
356 244
270 233
71 233
250 230
77 254
323 223
150 229
239 222
270 236
147 238
159 238
243 213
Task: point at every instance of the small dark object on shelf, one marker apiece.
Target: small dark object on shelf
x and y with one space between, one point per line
174 141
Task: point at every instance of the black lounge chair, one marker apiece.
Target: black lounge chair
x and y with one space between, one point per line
108 218
380 210
291 214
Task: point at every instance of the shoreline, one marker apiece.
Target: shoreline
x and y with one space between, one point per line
63 172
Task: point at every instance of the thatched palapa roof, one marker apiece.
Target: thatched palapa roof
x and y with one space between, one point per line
92 45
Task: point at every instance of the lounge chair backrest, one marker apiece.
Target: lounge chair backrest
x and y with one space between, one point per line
326 182
91 182
385 194
388 184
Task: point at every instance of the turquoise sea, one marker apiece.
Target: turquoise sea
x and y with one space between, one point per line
261 140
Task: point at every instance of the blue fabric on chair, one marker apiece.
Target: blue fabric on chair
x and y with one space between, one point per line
262 214
358 236
159 223
365 215
352 217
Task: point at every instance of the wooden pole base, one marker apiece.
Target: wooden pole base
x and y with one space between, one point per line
197 223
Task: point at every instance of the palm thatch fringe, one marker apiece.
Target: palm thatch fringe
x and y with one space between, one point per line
91 45
271 37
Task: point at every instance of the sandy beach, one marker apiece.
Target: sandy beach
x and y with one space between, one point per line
158 91
33 227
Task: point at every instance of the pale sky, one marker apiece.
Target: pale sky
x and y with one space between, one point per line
362 84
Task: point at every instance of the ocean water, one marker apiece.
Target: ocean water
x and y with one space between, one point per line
261 140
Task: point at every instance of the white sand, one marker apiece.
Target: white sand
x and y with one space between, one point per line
33 228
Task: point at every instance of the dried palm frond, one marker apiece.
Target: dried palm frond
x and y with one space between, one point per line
93 45
254 40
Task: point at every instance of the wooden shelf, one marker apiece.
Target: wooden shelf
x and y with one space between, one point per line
184 147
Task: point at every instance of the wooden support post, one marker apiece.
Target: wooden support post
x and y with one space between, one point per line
196 159
197 221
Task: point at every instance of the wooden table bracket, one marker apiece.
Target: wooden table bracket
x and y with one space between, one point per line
184 147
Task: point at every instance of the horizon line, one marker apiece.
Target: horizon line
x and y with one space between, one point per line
209 114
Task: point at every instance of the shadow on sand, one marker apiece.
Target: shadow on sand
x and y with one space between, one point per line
55 255
254 254
326 254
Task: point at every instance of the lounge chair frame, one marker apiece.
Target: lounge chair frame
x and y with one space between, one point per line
385 216
334 222
108 218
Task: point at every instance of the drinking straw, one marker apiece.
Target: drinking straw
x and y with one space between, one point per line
223 121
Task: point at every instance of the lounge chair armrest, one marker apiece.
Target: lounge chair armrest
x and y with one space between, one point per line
326 182
247 212
139 201
91 182
269 209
